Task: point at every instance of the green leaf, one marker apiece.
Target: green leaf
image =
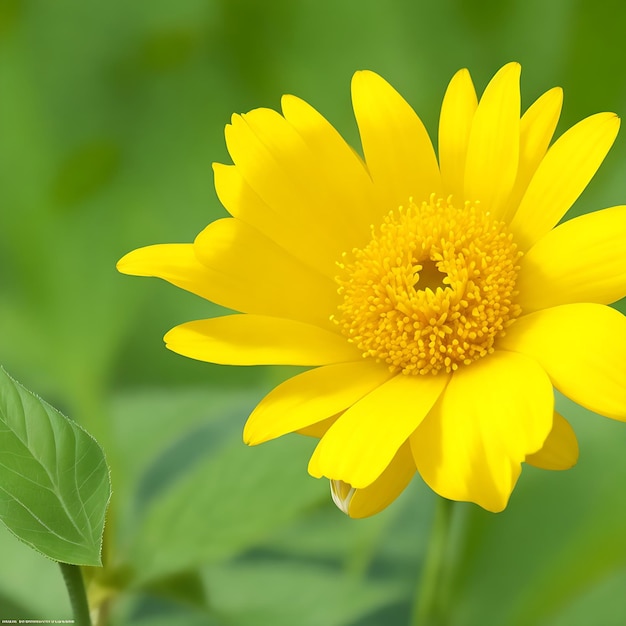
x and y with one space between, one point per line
54 481
284 594
186 588
225 504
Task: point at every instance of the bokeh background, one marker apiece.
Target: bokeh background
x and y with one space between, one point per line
111 114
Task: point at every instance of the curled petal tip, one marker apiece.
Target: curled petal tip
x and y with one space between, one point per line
342 494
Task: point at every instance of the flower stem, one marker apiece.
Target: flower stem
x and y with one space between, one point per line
76 589
428 609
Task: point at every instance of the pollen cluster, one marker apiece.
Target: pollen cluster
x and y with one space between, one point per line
432 290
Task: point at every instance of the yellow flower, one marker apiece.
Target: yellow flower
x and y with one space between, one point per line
436 298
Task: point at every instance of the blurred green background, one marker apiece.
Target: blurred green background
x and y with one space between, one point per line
111 114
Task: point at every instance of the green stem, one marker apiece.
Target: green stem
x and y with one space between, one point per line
76 589
427 610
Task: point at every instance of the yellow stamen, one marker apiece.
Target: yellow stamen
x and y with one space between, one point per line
432 290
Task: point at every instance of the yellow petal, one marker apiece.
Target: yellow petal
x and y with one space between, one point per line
561 177
250 273
259 340
318 430
342 171
174 262
560 449
361 444
312 397
581 260
360 503
582 347
493 149
537 127
295 183
457 112
242 202
493 414
397 148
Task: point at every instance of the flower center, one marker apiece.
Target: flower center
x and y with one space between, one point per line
432 290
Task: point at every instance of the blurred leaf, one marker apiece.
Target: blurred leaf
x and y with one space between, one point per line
161 431
54 480
85 171
200 495
327 535
284 594
184 587
152 611
392 541
228 502
184 474
594 600
9 607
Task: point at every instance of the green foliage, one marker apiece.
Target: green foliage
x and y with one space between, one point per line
29 571
110 118
54 481
559 545
283 594
196 497
205 523
85 172
210 495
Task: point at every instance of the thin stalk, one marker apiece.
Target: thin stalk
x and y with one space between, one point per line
427 610
76 590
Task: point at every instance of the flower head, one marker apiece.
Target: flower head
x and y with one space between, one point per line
435 298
